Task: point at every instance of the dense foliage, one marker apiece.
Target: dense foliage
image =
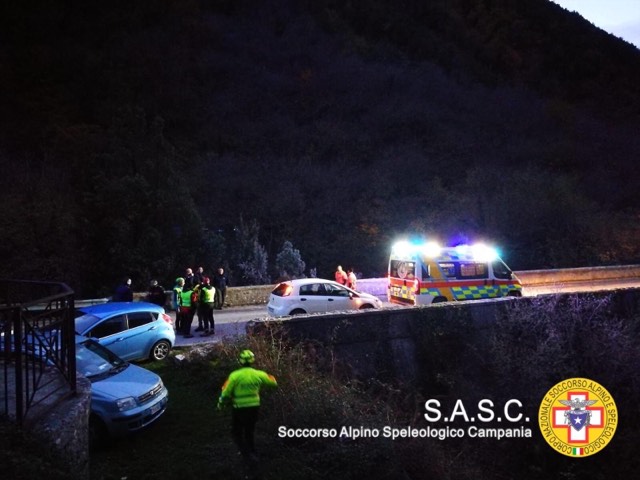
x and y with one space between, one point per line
138 139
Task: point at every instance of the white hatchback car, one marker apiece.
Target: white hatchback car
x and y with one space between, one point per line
315 295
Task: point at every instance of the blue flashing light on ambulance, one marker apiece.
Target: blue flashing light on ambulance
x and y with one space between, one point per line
425 273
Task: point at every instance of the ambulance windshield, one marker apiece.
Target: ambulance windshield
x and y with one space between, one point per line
500 270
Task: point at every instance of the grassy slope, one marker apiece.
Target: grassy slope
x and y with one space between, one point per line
193 439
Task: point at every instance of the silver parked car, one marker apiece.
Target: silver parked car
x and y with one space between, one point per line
124 397
316 295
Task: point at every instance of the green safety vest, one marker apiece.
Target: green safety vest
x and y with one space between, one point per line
176 296
207 294
243 387
185 298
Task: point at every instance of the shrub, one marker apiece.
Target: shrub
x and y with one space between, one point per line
289 263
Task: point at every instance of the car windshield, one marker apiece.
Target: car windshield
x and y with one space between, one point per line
93 360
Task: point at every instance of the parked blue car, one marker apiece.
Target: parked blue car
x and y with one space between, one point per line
124 397
132 330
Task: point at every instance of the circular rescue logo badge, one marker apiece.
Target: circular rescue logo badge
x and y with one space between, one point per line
578 417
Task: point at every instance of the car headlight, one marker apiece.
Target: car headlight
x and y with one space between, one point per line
126 403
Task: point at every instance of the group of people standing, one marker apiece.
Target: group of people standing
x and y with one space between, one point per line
124 293
196 294
348 278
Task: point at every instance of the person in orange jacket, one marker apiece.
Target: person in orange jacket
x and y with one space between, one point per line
341 276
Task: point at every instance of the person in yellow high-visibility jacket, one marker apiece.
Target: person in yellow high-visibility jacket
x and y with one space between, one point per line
242 390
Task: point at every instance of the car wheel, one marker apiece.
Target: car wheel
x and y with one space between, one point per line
439 300
160 350
298 311
366 306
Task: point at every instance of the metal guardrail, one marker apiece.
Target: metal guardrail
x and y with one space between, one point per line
37 346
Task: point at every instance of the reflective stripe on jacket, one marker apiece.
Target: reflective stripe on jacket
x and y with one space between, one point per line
243 387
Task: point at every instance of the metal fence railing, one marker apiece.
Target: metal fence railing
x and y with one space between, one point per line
37 346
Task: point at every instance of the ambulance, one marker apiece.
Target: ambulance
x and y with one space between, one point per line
425 273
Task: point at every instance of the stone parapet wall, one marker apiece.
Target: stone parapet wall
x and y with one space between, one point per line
253 295
66 428
236 297
399 344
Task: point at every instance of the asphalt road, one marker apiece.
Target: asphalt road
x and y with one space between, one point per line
231 322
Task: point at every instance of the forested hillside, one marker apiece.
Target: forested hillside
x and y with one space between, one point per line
138 138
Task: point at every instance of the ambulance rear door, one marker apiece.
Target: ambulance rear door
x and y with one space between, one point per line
402 281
